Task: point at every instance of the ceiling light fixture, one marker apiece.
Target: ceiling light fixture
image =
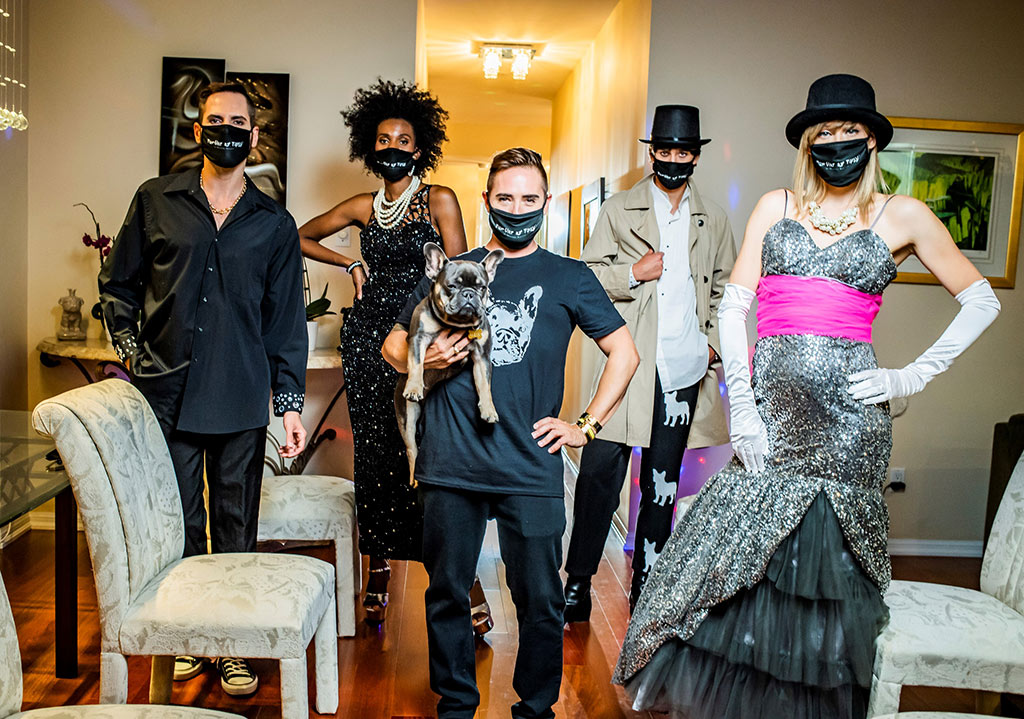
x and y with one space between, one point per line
492 61
12 67
494 53
521 63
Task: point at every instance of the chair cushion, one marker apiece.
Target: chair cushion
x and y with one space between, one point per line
309 507
946 636
123 711
239 605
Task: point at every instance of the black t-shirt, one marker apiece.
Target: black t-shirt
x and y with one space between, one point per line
535 303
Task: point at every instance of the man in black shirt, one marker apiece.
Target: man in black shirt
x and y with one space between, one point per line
470 471
202 294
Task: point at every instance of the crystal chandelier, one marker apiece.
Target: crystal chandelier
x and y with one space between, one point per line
12 65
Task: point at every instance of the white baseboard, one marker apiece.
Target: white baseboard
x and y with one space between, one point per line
935 548
15 529
897 547
41 519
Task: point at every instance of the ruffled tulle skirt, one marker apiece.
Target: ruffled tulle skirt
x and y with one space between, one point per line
799 644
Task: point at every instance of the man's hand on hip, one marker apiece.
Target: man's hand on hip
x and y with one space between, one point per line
561 433
294 435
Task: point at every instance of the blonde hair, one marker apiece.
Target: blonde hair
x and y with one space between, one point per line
808 187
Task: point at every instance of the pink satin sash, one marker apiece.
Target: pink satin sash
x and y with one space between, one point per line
793 305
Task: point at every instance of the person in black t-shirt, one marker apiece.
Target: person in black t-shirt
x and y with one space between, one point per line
470 471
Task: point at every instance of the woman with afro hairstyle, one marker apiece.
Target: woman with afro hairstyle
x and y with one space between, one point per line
396 131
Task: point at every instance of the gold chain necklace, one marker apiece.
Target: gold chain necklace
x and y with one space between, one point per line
225 211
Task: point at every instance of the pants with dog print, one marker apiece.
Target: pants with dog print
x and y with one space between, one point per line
603 467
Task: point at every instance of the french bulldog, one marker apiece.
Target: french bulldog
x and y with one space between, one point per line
457 300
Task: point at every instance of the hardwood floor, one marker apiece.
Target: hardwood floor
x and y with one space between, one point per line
384 673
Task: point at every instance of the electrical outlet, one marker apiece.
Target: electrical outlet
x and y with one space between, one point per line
897 479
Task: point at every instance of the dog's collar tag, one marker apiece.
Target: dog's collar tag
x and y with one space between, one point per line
475 334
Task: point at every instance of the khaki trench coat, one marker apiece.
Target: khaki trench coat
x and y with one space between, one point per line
626 229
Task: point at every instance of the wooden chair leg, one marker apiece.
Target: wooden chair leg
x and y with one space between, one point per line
161 678
988 703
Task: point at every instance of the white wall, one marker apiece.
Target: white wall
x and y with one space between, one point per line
14 267
96 106
597 113
747 66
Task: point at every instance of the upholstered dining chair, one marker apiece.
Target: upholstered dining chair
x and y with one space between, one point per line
153 602
312 508
945 636
11 689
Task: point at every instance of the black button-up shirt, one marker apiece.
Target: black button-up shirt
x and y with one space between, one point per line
212 320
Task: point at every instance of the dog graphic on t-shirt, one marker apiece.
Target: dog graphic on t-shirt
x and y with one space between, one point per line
512 326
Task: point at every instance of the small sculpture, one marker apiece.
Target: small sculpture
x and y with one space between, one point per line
71 317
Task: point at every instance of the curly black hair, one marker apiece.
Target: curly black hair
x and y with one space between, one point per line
386 100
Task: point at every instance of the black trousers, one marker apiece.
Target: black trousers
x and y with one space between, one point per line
530 537
234 473
603 467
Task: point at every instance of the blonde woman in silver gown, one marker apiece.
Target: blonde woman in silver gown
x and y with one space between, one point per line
767 600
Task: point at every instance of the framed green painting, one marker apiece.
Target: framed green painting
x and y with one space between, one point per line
971 174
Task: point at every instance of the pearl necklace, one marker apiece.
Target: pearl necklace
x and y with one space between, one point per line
826 224
390 212
226 210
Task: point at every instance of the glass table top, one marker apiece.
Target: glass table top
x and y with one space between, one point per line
27 477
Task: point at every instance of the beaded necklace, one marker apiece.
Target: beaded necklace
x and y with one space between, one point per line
827 224
390 212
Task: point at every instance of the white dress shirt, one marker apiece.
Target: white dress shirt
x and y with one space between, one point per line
682 358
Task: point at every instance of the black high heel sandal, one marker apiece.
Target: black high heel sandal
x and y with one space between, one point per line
376 603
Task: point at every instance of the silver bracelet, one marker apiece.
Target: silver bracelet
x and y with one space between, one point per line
357 263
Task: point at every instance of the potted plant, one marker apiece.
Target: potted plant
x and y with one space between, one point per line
102 244
316 308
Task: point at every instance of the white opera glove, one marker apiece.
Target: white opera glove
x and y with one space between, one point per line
978 309
746 428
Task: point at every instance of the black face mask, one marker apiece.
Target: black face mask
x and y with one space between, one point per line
516 231
393 164
672 175
840 163
226 145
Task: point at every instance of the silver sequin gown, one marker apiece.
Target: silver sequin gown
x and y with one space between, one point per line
766 600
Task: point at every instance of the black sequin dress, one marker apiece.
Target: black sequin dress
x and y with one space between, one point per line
767 599
390 520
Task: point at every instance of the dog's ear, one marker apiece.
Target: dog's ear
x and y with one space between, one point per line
491 262
530 301
436 259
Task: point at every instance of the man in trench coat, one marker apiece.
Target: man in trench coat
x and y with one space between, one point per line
664 255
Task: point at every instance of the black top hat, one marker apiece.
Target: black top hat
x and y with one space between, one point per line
677 125
840 97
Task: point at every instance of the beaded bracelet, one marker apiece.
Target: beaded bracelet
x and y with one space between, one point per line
352 266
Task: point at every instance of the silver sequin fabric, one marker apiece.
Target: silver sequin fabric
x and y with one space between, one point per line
820 440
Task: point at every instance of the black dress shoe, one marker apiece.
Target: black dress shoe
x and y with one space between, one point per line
577 600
